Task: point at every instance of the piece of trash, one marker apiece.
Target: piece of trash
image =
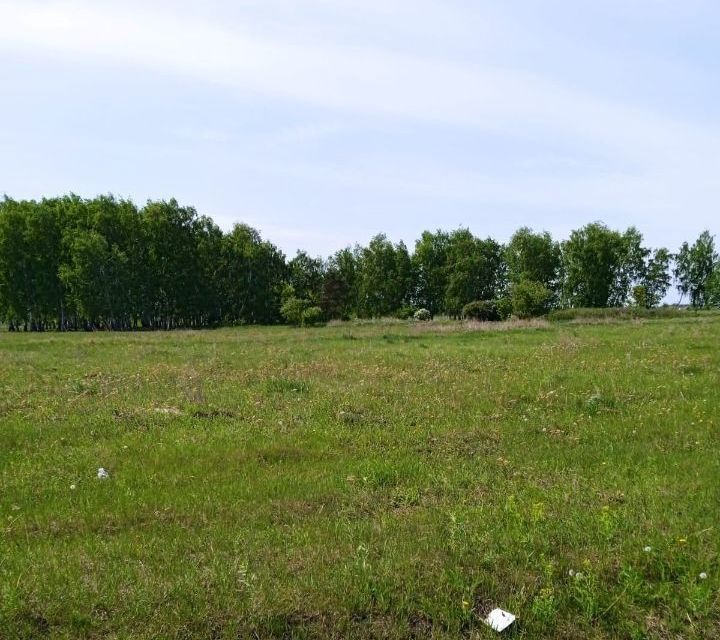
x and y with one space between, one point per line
102 474
499 620
73 487
703 576
647 549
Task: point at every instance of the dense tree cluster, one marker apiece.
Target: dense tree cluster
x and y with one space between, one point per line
69 263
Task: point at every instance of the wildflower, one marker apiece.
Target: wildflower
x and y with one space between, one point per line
703 576
682 540
578 576
647 549
73 487
571 573
102 474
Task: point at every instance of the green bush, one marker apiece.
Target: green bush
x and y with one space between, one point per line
423 315
482 310
312 315
504 307
640 296
530 299
405 312
293 310
298 312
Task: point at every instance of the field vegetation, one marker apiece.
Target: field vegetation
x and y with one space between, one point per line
362 480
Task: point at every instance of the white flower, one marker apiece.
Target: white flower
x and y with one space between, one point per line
703 576
571 573
73 487
578 576
102 474
647 549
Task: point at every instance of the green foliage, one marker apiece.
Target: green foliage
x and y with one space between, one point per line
422 315
530 299
385 278
293 310
694 269
713 288
405 312
504 307
69 264
640 296
601 265
656 279
299 312
481 310
339 298
305 275
430 262
476 270
252 274
312 316
534 257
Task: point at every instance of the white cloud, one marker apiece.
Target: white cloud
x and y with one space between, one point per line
657 164
369 81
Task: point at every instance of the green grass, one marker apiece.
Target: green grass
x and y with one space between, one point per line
601 314
362 481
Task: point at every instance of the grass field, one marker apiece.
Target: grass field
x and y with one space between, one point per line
362 481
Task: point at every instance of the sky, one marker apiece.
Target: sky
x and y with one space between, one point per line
324 122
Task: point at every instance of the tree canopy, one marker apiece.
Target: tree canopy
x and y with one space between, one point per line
70 263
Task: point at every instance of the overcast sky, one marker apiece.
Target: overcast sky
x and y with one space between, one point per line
323 122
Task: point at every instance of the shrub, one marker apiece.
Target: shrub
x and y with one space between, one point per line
293 310
530 299
298 312
483 310
405 312
504 307
312 315
640 296
423 315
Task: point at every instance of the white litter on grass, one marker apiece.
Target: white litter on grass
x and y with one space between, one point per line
102 474
703 576
499 620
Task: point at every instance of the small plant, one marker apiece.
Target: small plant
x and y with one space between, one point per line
285 385
544 605
293 309
405 312
312 316
298 312
422 315
481 310
530 299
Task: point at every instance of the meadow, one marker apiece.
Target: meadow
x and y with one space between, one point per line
367 480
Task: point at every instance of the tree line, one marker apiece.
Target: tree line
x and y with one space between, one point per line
70 263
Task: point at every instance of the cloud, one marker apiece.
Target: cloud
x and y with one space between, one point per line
368 81
651 163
